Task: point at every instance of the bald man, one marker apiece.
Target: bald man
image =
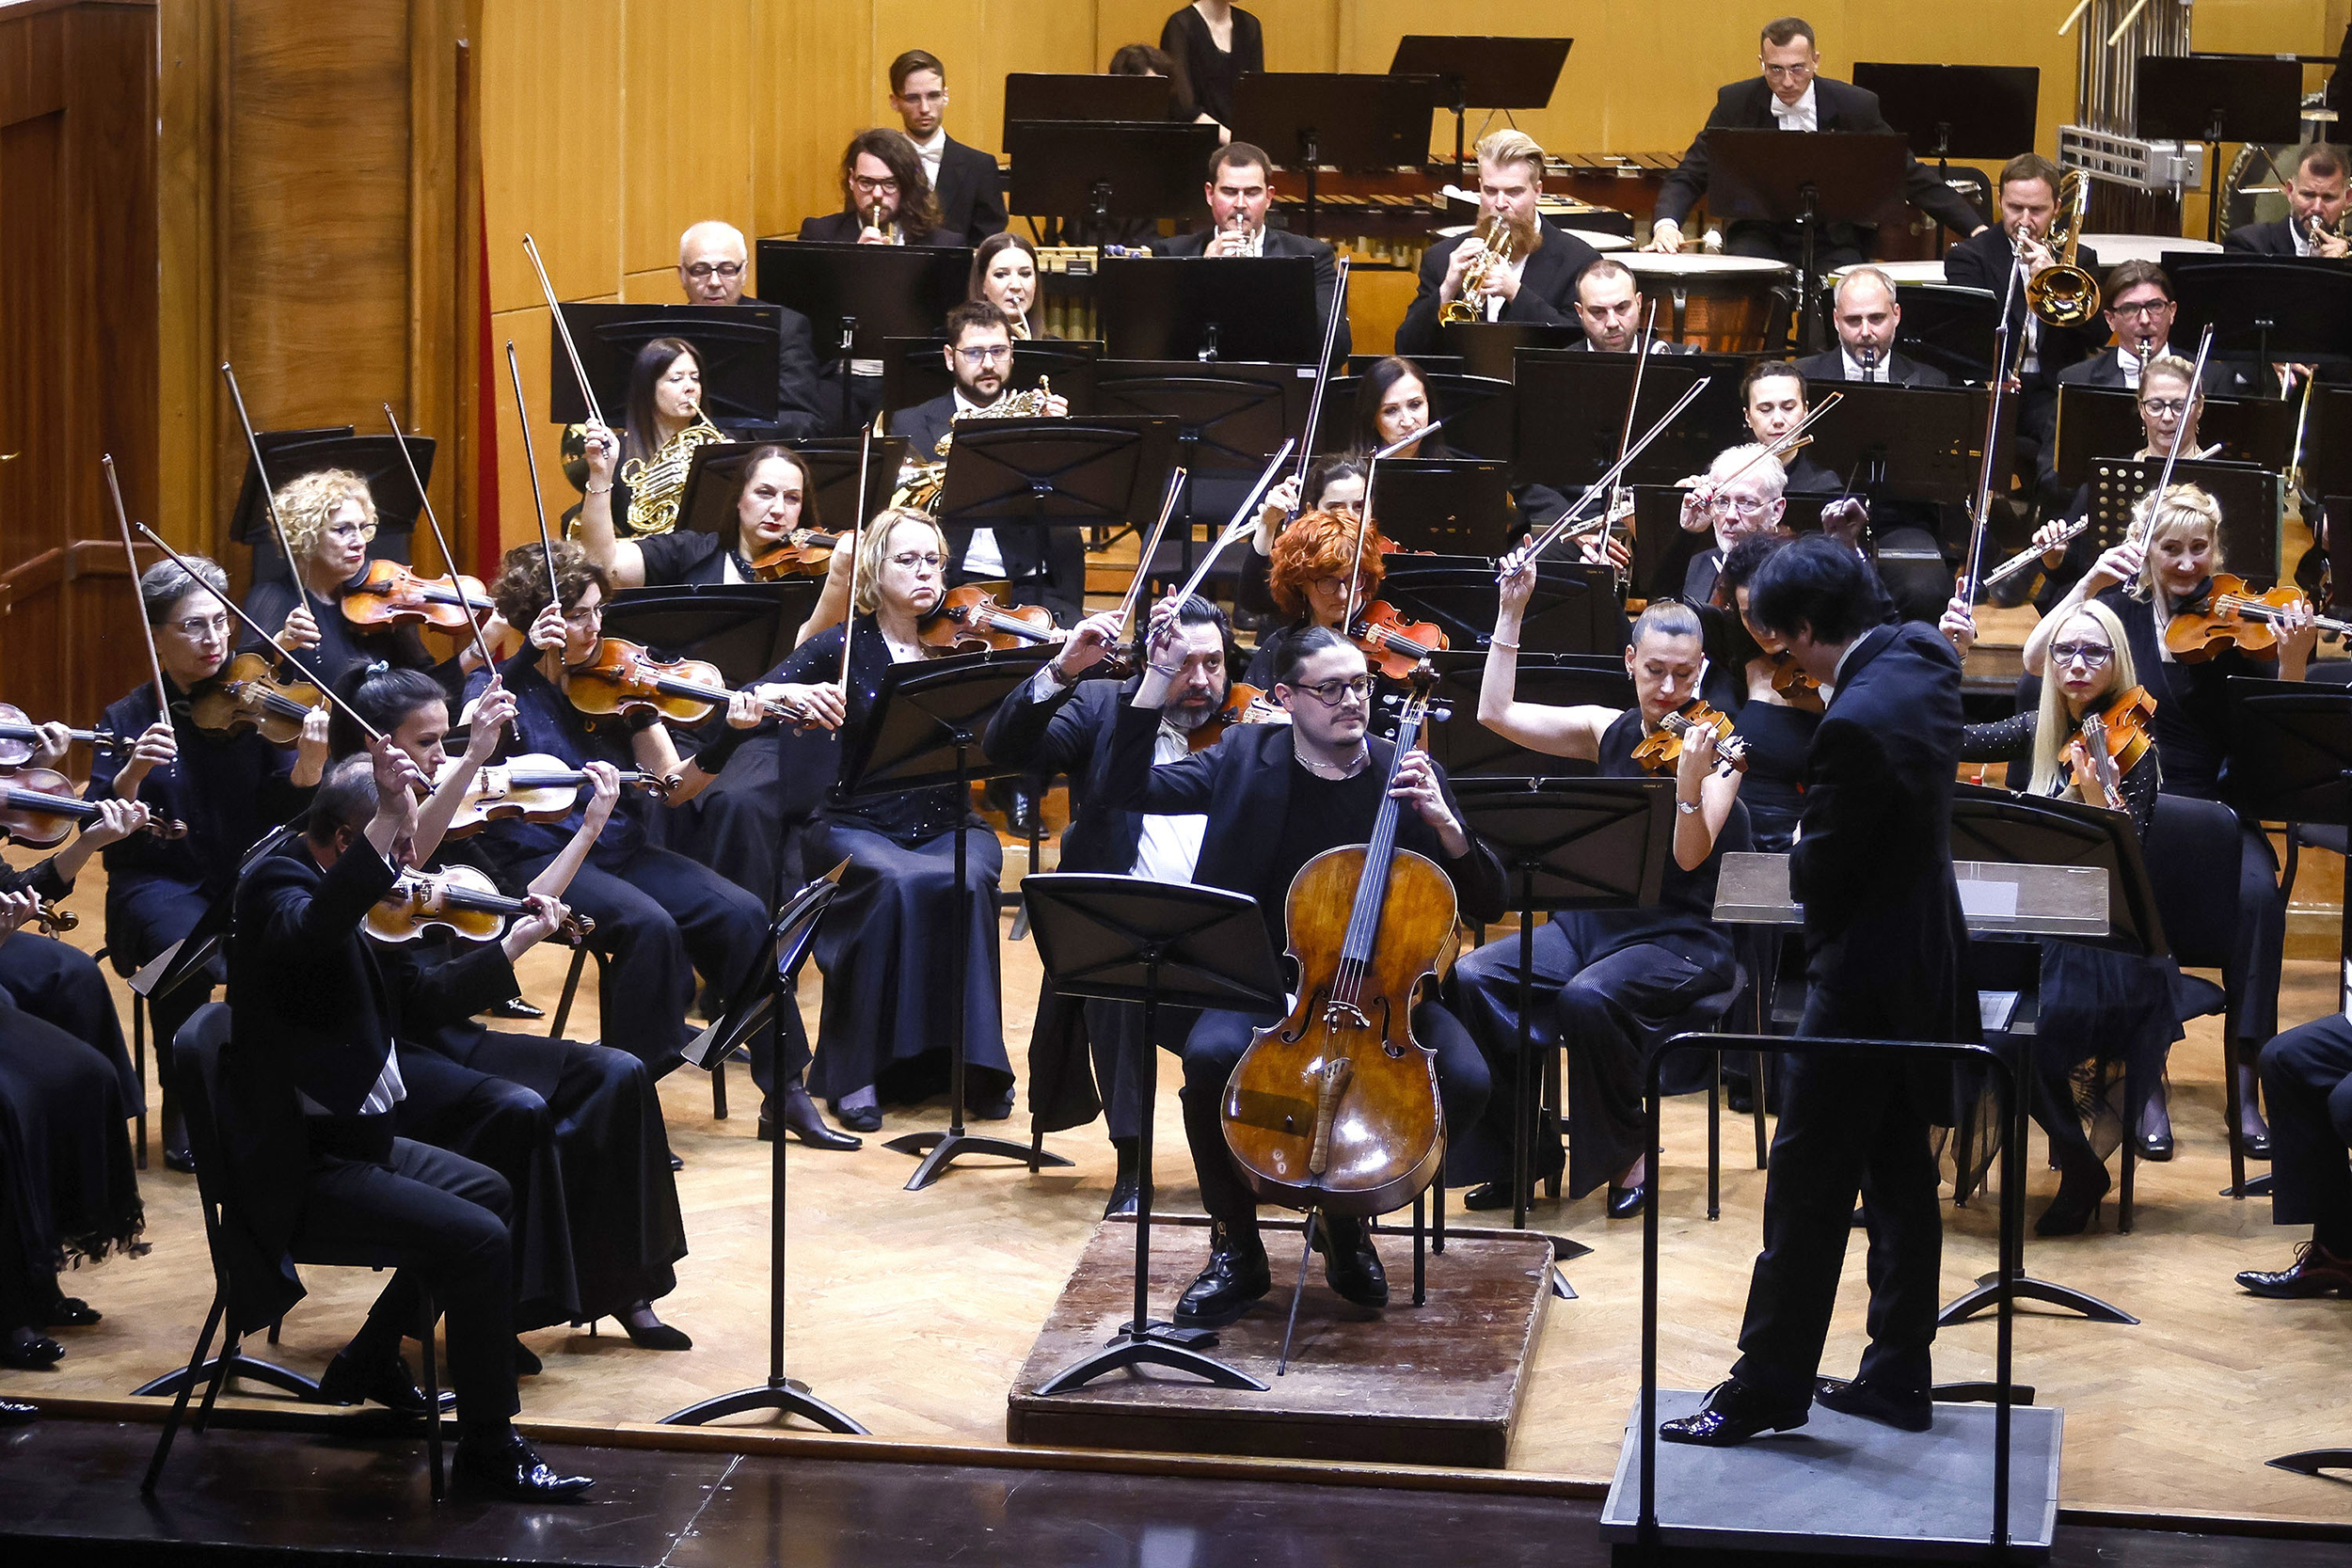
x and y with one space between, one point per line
1867 317
713 266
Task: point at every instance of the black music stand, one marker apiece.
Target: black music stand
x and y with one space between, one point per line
914 369
1048 472
1252 308
292 453
1912 444
1472 755
2214 99
737 345
1311 120
1574 610
1810 178
1488 348
857 295
1481 413
1571 414
715 470
1949 328
1957 111
1106 175
2263 310
924 730
745 629
2099 420
1447 506
1228 416
1482 73
1032 95
759 1004
1131 939
2248 497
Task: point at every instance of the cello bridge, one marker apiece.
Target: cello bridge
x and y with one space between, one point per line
1345 1015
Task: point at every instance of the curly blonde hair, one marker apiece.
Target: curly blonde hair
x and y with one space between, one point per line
306 505
873 541
1319 544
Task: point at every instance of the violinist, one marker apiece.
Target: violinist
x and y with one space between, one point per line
576 1129
329 518
1307 579
775 498
887 1017
1534 282
230 788
2147 589
2109 1012
1275 797
1392 401
1773 403
1062 723
1334 484
1741 494
1607 983
1775 706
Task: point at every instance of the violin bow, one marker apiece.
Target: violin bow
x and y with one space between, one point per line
1323 370
1363 522
538 505
1601 486
1150 550
1641 347
122 521
848 616
1982 505
255 627
1244 518
449 559
563 330
261 477
2164 480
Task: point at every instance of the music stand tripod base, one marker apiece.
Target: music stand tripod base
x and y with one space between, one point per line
789 1396
937 1150
1157 1344
2025 1287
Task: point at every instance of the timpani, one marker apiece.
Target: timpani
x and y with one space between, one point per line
1929 271
2114 248
1723 304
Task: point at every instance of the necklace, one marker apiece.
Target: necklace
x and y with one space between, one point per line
1334 769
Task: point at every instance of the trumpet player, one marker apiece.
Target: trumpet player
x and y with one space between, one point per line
885 196
2318 190
1239 192
1537 284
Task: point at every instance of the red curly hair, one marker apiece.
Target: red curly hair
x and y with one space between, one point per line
1319 544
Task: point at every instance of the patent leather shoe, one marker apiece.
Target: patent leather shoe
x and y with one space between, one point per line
1626 1202
2076 1203
29 1352
1236 1275
512 1468
2156 1145
2256 1145
179 1160
15 1413
654 1334
1350 1264
2315 1272
1862 1397
801 1120
516 1007
386 1383
72 1313
1734 1413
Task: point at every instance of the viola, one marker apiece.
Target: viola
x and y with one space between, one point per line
249 694
1793 686
457 899
40 811
535 787
806 552
1661 751
2231 616
20 736
970 620
1393 644
2108 745
621 676
1243 705
392 595
1335 1108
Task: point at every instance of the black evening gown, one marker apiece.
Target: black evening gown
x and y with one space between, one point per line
66 1176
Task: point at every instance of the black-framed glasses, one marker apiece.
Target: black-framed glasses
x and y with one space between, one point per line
874 188
703 271
2166 408
1331 693
2145 307
987 353
2091 655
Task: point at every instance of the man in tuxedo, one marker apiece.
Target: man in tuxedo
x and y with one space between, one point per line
713 265
1239 191
2140 310
1058 723
1791 95
1869 317
2307 1078
308 1088
1885 950
1611 309
1049 571
964 180
2318 190
1538 284
886 197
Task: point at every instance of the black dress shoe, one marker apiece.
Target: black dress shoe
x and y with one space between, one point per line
1739 1094
2076 1204
386 1383
1488 1194
1126 1186
527 1362
801 1120
1350 1266
2316 1272
994 1108
2156 1145
1734 1413
29 1352
1236 1275
864 1119
15 1413
179 1160
516 1007
511 1468
1866 1399
1626 1202
657 1335
677 1161
72 1313
2256 1145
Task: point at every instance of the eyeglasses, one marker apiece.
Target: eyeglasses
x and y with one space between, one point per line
197 627
914 562
1331 693
2091 655
988 353
1789 72
2145 307
702 270
874 188
1334 587
583 615
2166 408
1747 506
360 531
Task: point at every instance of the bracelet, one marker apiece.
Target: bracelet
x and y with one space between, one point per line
1170 671
1498 642
598 490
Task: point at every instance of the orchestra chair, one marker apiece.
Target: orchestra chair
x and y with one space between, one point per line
2192 859
197 1050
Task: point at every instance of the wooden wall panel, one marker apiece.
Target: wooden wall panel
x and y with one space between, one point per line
817 67
686 125
552 163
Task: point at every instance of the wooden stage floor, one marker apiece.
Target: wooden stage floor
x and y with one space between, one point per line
914 1311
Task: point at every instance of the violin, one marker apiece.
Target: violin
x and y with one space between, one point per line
1335 1108
1243 705
535 787
457 899
621 676
1661 751
1393 644
1793 686
391 595
2107 746
40 811
972 619
806 552
20 736
249 694
2231 616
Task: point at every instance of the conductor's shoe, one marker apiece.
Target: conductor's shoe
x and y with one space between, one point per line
1910 1412
511 1468
2316 1272
1734 1411
1350 1266
386 1383
15 1413
1126 1183
1236 1275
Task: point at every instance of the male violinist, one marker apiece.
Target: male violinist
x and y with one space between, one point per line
1275 797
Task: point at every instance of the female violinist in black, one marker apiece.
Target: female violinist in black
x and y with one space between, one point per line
329 518
1747 680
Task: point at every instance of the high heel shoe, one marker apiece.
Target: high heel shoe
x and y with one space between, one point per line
2256 1145
656 1335
1626 1202
2076 1205
2156 1145
801 1120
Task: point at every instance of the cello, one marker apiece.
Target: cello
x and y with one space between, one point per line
1335 1108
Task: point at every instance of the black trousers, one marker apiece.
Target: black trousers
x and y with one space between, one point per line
2253 978
2306 1072
1114 1041
445 1219
1848 1124
1838 246
1215 1045
63 986
144 916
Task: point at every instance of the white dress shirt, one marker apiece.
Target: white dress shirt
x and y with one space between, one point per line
1169 848
981 558
1800 116
1854 371
930 152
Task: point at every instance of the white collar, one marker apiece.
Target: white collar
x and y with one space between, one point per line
966 405
935 145
1854 367
1805 111
1838 676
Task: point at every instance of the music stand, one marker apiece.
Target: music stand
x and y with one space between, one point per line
2094 422
1481 414
1574 610
2328 444
1254 307
758 1004
857 295
1571 414
1310 120
915 371
2263 310
737 345
2248 498
2214 99
2290 761
1482 73
1486 348
715 471
1957 111
923 731
1472 753
1950 327
1031 95
1447 506
292 453
1912 444
1131 939
1107 173
1810 178
745 629
1047 472
1228 416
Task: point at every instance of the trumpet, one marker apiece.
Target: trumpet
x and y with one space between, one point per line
2315 230
2062 293
1494 250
